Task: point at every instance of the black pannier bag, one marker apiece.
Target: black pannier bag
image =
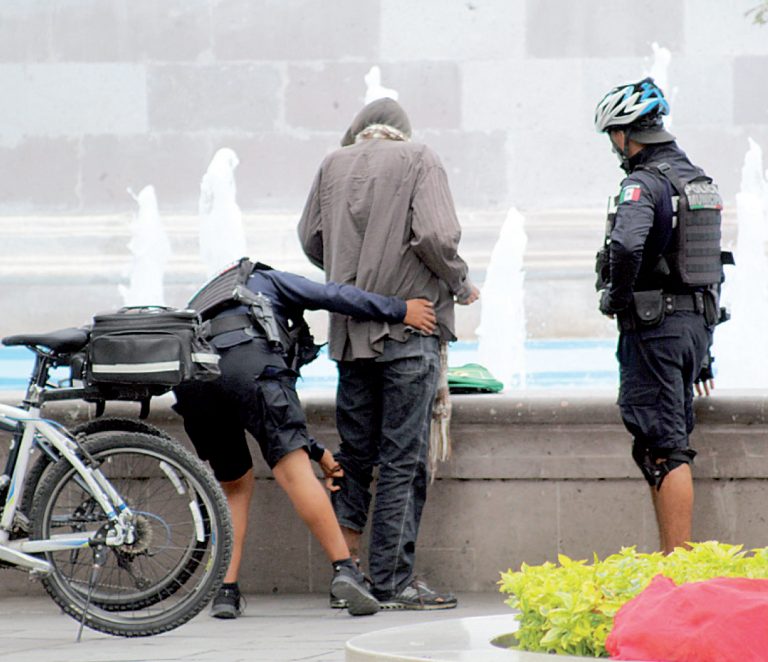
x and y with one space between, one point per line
136 353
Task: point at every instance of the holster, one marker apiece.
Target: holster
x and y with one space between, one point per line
711 308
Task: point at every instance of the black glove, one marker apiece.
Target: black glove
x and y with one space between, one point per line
605 302
706 373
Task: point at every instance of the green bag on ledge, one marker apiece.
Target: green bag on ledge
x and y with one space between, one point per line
472 378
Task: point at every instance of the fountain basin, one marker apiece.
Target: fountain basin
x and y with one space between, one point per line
476 639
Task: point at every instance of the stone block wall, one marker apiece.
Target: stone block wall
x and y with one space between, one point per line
105 95
101 95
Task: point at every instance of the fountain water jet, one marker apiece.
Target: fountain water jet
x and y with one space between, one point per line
374 89
502 333
659 71
740 346
151 250
222 237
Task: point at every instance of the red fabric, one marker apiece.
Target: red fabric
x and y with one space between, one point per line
719 620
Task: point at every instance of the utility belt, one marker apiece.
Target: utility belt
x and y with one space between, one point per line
650 307
301 345
228 323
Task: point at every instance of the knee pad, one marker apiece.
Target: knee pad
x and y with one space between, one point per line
656 463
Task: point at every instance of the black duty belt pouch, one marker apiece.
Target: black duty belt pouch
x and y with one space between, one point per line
648 307
147 349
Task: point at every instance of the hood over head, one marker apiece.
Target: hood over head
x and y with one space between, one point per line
382 111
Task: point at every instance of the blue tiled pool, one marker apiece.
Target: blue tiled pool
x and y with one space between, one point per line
549 363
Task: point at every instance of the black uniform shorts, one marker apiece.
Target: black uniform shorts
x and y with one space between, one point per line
658 367
255 392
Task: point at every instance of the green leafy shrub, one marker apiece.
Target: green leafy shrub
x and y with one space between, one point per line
569 608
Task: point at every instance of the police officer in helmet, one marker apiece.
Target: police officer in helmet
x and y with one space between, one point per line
659 272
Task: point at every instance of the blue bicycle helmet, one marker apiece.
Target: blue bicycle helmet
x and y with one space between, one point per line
636 107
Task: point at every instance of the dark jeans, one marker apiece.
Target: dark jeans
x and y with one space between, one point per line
383 414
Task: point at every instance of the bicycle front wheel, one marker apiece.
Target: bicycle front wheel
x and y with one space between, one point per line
183 536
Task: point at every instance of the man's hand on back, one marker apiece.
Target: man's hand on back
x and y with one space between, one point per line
420 314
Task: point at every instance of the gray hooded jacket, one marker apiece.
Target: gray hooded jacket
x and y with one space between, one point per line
380 216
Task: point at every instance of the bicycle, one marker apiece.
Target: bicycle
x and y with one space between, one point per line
127 530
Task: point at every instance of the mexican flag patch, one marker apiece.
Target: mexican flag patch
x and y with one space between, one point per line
630 193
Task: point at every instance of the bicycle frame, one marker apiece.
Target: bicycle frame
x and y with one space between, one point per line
19 551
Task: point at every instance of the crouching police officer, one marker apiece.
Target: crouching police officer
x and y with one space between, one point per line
256 323
659 271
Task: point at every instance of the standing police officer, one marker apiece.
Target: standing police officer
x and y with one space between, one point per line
659 272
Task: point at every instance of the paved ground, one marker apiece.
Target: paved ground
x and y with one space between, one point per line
274 629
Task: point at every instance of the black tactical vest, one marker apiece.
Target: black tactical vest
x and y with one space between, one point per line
217 294
694 254
693 257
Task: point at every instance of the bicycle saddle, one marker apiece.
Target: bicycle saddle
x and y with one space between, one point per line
62 341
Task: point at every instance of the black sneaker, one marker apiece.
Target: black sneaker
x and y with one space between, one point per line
341 603
348 584
418 596
228 603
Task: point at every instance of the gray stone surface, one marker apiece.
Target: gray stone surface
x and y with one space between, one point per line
136 31
73 36
299 30
508 88
20 19
507 94
436 30
474 529
477 186
731 34
324 96
173 30
694 103
431 92
88 99
275 628
750 89
621 28
26 164
276 170
171 162
724 148
239 97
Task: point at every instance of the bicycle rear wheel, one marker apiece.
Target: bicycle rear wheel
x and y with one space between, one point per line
183 545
